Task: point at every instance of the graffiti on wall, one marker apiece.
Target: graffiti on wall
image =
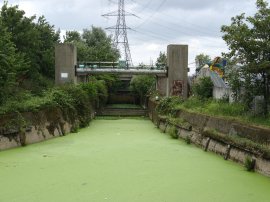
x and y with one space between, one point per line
178 88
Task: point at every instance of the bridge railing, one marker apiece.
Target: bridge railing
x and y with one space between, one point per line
117 65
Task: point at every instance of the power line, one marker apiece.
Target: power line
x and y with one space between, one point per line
120 38
151 16
167 14
145 6
153 35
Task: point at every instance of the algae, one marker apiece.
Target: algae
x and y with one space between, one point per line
123 160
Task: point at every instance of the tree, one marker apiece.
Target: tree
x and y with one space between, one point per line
47 38
248 41
10 63
201 60
93 45
72 36
162 59
142 85
34 40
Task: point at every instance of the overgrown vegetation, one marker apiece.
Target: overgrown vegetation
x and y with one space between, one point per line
257 148
27 66
170 105
26 52
249 164
76 99
188 140
248 42
167 105
142 85
173 132
203 89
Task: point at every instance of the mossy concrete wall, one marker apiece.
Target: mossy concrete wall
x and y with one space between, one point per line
200 122
31 127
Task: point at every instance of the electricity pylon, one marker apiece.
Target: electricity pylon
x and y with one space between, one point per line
120 37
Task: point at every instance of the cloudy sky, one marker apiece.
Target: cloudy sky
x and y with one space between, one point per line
159 22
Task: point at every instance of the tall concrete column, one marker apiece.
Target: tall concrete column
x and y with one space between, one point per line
177 59
176 84
65 61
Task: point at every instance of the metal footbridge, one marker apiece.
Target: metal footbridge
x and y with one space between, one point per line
90 68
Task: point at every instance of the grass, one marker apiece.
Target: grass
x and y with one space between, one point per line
233 111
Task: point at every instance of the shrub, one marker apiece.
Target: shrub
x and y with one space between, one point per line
188 140
249 164
102 92
203 88
142 85
91 90
112 81
173 132
167 105
60 98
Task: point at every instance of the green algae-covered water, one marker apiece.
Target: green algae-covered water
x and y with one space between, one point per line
124 161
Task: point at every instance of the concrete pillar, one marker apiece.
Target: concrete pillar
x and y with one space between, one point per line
176 84
162 85
177 61
65 61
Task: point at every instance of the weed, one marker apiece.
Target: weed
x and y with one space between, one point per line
249 164
188 140
173 132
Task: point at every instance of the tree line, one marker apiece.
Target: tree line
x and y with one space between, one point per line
27 51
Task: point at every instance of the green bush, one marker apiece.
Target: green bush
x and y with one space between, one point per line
91 90
173 132
112 81
142 85
76 99
188 140
102 92
249 164
60 98
203 88
167 105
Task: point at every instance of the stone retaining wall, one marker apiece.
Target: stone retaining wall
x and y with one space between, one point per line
200 122
36 127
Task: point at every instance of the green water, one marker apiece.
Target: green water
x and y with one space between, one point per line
123 161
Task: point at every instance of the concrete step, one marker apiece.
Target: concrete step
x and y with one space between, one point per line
122 112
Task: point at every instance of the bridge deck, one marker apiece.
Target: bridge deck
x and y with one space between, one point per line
87 71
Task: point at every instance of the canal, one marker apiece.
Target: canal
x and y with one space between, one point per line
124 160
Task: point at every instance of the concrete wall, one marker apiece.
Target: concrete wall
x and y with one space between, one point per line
65 61
197 123
161 86
219 93
42 125
123 99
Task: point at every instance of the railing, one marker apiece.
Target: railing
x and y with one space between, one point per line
117 65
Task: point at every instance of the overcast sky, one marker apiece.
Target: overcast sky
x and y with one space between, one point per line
161 22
